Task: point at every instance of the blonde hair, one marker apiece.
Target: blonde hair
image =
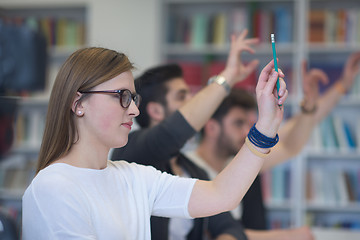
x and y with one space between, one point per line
83 70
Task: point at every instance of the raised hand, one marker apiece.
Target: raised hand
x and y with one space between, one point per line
351 69
235 70
270 111
311 81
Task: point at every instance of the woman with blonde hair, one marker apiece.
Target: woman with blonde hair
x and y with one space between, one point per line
79 194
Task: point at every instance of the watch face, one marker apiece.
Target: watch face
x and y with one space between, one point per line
220 80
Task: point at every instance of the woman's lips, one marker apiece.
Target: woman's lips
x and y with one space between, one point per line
128 125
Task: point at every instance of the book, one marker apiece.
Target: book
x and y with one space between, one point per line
238 20
278 183
266 25
283 25
357 134
199 29
328 135
330 25
192 72
349 136
317 26
340 26
316 143
342 193
351 25
220 24
340 134
349 187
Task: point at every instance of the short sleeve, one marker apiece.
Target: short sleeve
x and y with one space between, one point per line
169 194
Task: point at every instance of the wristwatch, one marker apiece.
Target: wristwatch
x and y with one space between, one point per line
221 81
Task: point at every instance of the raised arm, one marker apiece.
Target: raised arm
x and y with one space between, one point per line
331 97
295 133
200 108
228 188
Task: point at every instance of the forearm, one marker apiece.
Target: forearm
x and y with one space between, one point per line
293 135
266 234
327 102
302 233
225 192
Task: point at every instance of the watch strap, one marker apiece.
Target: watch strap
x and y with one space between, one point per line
221 81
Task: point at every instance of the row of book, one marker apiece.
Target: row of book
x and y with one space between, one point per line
324 187
59 32
276 184
332 187
335 134
324 221
203 28
196 75
330 26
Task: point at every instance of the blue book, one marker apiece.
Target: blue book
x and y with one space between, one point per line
283 25
278 184
349 136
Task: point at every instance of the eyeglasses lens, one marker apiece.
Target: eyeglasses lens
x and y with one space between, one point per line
125 98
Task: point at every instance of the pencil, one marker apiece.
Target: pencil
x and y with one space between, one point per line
275 61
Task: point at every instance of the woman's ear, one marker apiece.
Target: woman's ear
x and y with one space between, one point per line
76 106
156 111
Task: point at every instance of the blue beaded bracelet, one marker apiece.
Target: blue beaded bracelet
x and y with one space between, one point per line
260 140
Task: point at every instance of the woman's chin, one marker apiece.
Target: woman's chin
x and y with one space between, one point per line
121 143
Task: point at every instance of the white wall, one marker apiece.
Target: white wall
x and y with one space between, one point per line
129 26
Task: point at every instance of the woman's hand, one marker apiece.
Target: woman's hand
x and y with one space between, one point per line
270 107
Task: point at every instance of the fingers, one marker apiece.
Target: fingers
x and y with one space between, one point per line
283 92
318 75
270 85
264 75
251 66
242 42
282 88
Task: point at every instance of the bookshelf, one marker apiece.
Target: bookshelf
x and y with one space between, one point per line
334 158
187 38
65 30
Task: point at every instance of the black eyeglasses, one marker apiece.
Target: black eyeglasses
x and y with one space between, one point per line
125 96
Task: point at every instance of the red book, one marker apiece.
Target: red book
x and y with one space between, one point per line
192 72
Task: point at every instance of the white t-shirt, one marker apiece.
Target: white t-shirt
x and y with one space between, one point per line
195 158
67 202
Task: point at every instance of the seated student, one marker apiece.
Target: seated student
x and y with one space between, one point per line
168 119
226 131
78 193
